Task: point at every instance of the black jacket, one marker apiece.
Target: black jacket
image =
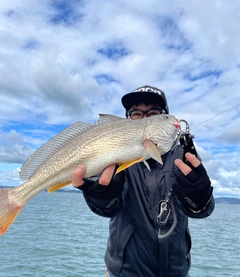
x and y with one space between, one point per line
134 249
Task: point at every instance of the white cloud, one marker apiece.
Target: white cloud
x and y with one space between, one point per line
9 175
221 191
214 32
60 64
12 148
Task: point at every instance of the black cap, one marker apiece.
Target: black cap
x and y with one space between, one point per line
145 94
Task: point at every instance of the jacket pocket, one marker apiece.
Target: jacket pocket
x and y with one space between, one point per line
116 244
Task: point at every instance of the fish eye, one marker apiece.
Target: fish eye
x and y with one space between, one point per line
166 117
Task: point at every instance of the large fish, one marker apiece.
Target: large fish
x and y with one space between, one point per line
111 140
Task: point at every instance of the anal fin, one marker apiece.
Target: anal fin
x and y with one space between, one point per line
59 186
128 164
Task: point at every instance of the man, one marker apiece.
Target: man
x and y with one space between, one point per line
131 199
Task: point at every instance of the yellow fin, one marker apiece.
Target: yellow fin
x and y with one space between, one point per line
58 186
126 165
8 210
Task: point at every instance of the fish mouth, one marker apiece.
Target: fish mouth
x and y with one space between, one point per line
177 124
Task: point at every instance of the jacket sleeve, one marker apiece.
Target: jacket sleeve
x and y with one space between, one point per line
194 191
204 212
103 200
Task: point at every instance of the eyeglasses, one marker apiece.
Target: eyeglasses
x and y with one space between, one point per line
138 114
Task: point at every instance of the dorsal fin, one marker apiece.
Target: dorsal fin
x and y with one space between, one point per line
106 118
50 147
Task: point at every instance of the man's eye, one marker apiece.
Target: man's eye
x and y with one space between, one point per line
152 113
136 113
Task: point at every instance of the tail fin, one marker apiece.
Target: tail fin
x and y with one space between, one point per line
9 209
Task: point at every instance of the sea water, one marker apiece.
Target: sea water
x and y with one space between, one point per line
57 235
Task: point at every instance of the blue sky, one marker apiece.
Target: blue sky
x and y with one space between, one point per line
65 61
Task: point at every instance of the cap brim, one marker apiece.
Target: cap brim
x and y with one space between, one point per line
132 98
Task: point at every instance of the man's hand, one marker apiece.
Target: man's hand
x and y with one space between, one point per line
185 168
102 194
192 186
77 177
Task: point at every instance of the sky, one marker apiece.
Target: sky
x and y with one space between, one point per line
68 61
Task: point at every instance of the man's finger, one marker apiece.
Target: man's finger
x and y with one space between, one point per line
183 167
77 177
192 159
107 175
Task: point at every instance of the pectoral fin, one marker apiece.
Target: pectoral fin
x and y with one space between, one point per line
126 165
147 165
58 186
152 150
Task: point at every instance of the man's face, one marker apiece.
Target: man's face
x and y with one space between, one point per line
142 110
